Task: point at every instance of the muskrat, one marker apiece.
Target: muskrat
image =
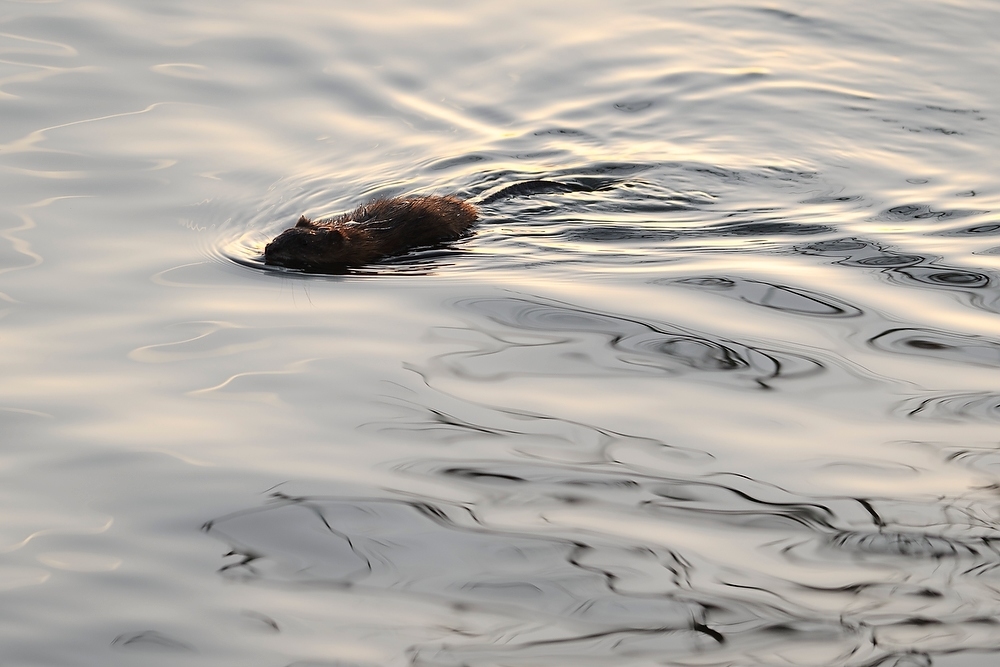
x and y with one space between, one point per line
387 227
373 231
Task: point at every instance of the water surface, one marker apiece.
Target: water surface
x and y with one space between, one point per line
729 397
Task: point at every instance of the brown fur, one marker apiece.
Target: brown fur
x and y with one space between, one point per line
373 231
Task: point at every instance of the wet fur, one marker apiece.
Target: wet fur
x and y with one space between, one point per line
373 231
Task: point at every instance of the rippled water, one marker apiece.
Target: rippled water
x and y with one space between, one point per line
727 396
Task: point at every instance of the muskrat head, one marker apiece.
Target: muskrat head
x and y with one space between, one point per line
308 248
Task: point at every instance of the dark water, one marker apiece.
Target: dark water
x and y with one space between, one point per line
728 395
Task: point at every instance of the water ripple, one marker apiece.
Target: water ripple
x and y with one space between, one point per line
944 345
559 576
956 408
632 347
785 298
978 287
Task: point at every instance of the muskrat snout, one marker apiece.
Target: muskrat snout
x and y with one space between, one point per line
305 248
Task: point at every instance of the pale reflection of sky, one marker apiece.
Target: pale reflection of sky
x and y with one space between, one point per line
727 396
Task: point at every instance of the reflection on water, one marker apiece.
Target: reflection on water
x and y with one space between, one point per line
588 543
940 344
780 297
713 382
649 576
979 288
958 407
633 347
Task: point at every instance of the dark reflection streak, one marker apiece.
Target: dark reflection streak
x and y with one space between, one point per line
305 502
811 515
441 418
982 568
871 510
605 435
806 519
919 621
474 474
714 634
911 269
673 345
929 593
151 637
956 408
970 349
854 589
837 311
760 589
984 620
922 407
247 557
783 298
804 508
859 588
433 513
918 545
906 659
247 554
448 420
626 632
817 518
807 515
266 620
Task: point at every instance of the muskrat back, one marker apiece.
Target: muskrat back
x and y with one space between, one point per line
379 229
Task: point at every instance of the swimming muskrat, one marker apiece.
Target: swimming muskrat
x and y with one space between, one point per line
387 227
382 228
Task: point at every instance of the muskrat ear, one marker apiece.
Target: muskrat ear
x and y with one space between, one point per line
303 222
334 236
